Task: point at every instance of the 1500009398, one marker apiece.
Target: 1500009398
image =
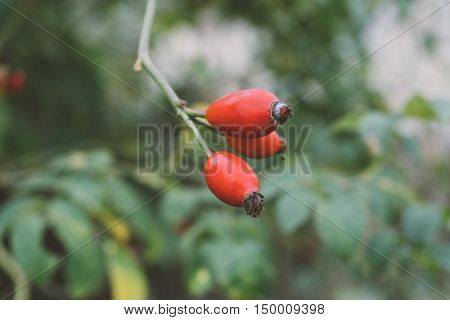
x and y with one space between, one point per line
297 308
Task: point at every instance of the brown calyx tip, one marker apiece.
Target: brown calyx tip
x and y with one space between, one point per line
253 204
281 112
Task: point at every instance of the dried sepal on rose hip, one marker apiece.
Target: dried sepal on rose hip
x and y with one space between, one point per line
254 112
233 181
258 148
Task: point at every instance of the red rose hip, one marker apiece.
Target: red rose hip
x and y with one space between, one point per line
258 148
16 81
233 181
248 113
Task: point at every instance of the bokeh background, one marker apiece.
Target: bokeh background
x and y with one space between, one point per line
379 151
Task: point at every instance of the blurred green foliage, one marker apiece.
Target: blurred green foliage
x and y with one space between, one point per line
73 206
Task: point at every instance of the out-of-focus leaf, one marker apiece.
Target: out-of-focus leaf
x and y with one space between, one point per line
292 213
377 130
384 241
364 292
178 203
37 182
4 119
27 245
396 188
442 108
15 208
237 266
441 254
430 41
234 251
118 228
417 291
86 193
341 213
205 196
412 146
152 180
84 270
148 229
273 185
70 223
127 279
121 196
217 224
305 282
200 282
419 107
348 123
98 161
382 203
420 223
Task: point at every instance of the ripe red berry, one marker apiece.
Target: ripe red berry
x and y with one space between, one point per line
233 181
16 81
251 112
258 148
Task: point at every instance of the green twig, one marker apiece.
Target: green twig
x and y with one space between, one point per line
203 121
144 61
195 112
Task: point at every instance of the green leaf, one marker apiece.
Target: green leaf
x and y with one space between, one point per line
121 196
84 270
233 249
341 213
16 207
420 223
348 123
242 271
98 161
37 182
442 108
116 227
377 130
384 241
273 185
4 119
200 282
419 107
359 292
27 246
412 147
86 193
70 223
127 279
152 180
291 213
178 204
382 203
441 254
148 229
